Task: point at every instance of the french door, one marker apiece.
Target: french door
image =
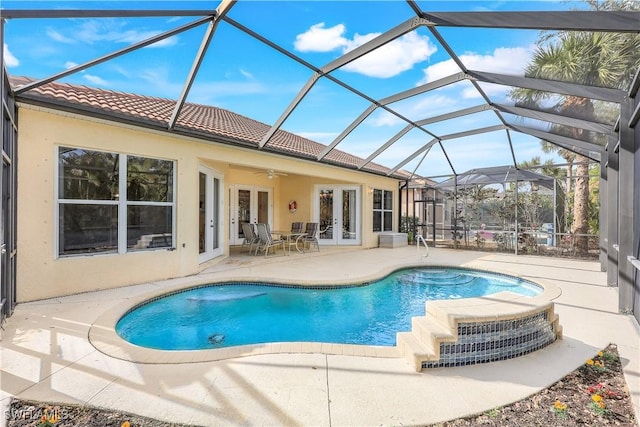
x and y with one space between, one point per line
210 214
339 213
248 204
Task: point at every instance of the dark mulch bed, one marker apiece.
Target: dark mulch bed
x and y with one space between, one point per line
568 402
25 413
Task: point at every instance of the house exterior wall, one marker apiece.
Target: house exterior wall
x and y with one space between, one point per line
42 274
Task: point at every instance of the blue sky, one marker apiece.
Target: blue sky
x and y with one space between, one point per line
243 75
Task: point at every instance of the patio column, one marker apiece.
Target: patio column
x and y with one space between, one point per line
603 211
612 212
455 211
634 132
516 213
554 237
627 176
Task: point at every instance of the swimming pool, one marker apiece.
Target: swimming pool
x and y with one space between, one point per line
230 314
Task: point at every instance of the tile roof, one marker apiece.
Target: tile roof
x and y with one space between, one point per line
202 121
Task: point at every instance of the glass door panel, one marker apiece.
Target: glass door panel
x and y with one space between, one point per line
349 216
243 212
249 204
339 212
209 215
202 219
216 204
263 207
327 216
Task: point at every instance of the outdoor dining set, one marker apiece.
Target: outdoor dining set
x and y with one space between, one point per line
259 238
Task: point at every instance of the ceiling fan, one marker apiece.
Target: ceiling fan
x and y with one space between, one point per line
272 173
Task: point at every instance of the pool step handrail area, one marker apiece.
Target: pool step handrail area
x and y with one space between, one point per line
426 247
478 330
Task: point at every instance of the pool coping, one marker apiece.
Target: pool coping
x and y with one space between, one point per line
102 334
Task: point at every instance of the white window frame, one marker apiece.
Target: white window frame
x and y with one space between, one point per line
122 204
382 210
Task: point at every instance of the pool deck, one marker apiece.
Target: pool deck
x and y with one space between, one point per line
46 354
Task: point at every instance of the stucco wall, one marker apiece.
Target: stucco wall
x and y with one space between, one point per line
41 274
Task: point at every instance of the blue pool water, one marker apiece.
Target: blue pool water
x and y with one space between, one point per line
235 314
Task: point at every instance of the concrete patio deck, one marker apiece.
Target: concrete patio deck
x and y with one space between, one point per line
46 355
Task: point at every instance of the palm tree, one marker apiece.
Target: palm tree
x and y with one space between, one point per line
595 59
546 168
569 157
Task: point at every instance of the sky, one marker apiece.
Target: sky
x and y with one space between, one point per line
246 76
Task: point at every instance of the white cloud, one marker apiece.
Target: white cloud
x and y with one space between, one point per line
246 73
121 70
95 79
9 59
393 58
434 105
108 30
490 89
321 39
93 31
133 36
202 92
387 61
70 64
415 109
488 149
322 137
501 60
384 118
155 75
227 88
53 34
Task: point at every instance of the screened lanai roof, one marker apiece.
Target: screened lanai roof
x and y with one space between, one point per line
494 175
409 85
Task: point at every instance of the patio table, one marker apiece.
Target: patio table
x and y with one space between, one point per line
291 238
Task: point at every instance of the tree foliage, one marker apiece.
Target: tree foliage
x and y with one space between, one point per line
589 58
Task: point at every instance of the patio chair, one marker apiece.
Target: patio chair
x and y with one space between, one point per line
250 237
267 241
296 227
311 235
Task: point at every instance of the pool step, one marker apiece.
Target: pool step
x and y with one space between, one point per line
413 349
422 344
498 327
431 333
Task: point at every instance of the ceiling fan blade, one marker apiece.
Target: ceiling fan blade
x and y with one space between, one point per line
271 173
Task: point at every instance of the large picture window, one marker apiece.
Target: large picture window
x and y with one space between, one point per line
109 202
382 210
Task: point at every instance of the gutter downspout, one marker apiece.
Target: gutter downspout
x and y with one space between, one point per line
403 185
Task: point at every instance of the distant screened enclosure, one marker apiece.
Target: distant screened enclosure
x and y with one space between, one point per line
503 209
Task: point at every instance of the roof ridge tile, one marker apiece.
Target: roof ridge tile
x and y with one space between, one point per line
195 117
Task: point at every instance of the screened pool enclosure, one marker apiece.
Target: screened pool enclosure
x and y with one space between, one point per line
419 142
484 209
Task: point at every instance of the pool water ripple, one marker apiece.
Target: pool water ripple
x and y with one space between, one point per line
223 315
